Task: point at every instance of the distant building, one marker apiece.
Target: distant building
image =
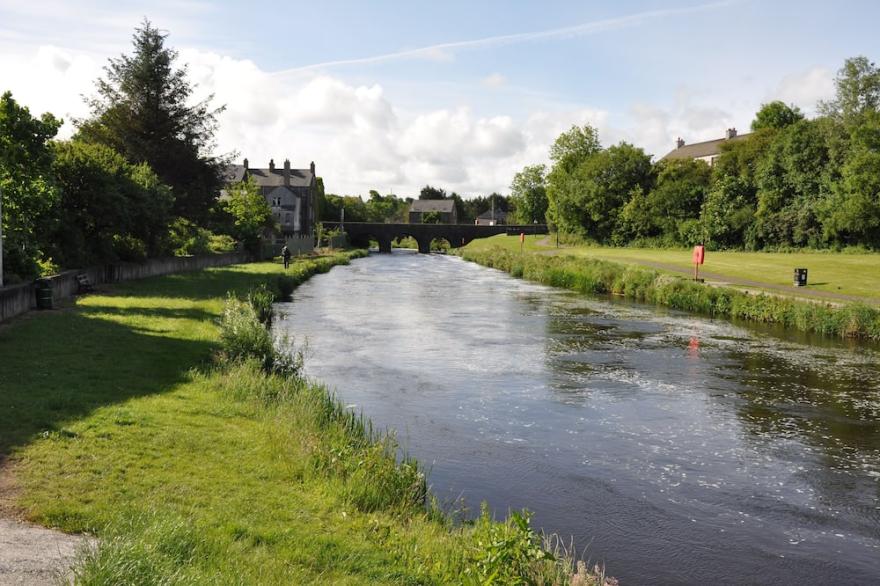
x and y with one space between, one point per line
706 151
491 218
292 194
444 207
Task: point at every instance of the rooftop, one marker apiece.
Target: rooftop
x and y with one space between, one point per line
433 205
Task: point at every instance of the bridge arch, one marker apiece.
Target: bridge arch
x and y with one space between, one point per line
359 233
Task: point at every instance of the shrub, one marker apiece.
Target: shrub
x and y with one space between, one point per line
262 300
128 248
243 337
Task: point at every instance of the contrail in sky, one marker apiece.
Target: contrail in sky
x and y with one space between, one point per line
577 30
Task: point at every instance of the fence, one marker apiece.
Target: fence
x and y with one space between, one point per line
18 299
298 245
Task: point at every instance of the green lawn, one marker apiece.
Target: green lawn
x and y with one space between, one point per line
848 274
116 422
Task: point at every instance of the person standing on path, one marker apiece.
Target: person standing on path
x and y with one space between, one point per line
285 254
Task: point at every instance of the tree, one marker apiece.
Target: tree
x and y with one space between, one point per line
429 192
678 195
574 146
570 149
104 202
528 192
592 197
142 110
790 181
728 212
857 91
27 186
776 115
250 213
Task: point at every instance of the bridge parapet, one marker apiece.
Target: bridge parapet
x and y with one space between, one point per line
456 234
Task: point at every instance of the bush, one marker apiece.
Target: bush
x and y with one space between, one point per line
243 337
128 248
262 300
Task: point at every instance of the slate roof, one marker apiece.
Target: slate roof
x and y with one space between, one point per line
487 215
267 178
709 148
433 205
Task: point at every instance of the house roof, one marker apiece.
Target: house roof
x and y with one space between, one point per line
433 205
270 178
709 148
487 215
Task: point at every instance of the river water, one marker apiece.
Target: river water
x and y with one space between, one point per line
674 449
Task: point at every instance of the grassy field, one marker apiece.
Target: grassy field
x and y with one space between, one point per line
117 422
847 274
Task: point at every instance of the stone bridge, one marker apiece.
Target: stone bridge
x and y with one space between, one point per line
360 233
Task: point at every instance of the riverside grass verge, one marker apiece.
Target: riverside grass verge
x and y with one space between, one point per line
855 320
120 420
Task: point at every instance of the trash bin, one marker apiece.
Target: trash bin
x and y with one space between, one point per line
43 289
800 277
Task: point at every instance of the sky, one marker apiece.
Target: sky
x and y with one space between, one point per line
457 94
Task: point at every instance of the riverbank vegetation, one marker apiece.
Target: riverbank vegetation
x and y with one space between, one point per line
852 273
595 276
163 417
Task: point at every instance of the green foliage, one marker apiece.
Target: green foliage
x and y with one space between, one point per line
250 213
528 194
857 93
243 337
776 115
106 204
128 248
574 146
26 186
142 109
388 208
262 299
511 553
431 218
429 192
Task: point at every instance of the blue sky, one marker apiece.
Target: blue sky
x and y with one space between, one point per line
393 95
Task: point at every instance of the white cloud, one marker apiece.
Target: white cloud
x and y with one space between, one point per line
494 80
806 88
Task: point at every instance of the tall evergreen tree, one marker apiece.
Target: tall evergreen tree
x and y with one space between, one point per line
143 110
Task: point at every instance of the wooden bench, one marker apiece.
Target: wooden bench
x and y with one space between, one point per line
84 284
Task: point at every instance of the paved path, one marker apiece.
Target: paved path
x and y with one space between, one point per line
719 279
31 555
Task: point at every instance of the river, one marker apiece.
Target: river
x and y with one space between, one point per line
673 448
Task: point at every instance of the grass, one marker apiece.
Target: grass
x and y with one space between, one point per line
855 320
844 273
118 422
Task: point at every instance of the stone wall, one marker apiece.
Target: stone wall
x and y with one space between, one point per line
17 299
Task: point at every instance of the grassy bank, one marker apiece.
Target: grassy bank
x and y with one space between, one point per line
120 420
602 277
856 274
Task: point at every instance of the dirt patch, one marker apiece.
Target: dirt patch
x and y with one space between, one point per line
31 555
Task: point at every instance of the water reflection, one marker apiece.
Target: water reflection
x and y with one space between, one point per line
681 449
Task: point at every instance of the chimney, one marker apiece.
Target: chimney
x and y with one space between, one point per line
271 165
679 142
245 164
287 172
312 167
731 133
